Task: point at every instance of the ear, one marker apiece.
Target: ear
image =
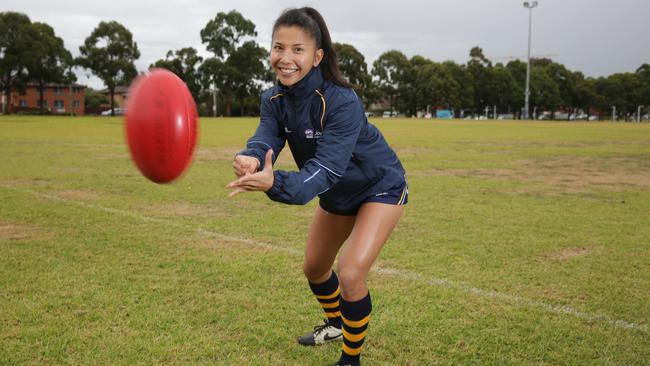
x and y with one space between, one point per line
318 57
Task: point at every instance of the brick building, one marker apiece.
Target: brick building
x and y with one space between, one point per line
57 98
121 93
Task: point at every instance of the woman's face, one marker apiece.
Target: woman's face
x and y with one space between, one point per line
293 54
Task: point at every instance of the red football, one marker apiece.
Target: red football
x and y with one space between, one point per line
161 125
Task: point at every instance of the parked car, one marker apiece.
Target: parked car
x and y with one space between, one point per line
389 114
118 112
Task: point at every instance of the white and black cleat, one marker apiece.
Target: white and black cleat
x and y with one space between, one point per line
322 334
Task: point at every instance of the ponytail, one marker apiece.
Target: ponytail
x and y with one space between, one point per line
313 23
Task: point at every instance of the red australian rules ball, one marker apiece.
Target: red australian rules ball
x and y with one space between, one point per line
161 125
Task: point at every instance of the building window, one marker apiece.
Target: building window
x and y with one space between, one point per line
76 90
58 91
23 103
58 104
76 103
38 103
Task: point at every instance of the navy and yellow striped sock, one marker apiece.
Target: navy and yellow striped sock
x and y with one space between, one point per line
356 315
328 295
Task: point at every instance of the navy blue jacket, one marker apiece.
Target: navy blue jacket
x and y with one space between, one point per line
340 155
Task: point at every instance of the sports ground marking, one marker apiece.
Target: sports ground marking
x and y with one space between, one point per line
387 271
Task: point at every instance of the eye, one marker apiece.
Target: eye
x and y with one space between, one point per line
299 49
277 47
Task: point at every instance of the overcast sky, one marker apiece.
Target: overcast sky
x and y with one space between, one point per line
597 37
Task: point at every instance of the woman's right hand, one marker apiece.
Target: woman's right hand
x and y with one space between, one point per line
245 165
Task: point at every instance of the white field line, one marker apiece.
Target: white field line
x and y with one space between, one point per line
381 270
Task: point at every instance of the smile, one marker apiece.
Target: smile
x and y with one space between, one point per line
288 71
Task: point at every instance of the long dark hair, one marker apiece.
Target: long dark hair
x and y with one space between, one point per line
313 23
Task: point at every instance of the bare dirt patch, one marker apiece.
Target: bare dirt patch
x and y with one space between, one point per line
571 253
73 194
19 232
563 174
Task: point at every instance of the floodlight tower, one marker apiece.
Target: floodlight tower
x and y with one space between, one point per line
529 5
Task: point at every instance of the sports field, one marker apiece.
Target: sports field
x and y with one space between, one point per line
522 244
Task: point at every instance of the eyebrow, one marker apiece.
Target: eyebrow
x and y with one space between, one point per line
282 44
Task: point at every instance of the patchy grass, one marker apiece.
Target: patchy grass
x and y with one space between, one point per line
522 243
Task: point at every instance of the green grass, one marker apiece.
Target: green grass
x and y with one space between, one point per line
522 244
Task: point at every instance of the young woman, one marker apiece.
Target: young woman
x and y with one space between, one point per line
342 159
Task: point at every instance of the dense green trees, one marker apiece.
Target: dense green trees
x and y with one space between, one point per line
110 52
49 60
238 70
16 42
238 67
185 64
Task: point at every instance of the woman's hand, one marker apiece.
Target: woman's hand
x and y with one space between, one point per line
245 165
251 181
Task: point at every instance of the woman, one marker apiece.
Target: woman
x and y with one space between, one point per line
342 159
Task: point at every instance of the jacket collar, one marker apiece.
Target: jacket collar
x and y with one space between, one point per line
312 81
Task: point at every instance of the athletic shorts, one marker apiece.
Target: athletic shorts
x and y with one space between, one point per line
398 195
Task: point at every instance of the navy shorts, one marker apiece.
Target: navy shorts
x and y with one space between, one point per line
398 195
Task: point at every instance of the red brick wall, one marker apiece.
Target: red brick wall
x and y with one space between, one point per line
57 99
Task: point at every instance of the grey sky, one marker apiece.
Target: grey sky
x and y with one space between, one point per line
597 37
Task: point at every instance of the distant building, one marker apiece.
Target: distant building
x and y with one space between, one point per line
57 98
120 95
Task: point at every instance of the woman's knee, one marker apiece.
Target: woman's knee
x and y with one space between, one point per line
315 272
352 281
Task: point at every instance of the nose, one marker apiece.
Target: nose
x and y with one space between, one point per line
285 58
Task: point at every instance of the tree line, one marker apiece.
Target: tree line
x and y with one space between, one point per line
238 69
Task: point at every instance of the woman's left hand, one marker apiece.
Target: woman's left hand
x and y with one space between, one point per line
260 181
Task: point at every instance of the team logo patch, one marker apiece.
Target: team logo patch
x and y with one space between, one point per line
311 134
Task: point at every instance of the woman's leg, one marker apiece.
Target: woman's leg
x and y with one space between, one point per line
373 225
326 235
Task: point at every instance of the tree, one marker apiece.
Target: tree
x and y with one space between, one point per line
643 73
566 83
517 70
237 64
354 68
389 71
185 64
94 99
465 82
479 66
248 71
49 59
544 92
110 53
585 89
503 91
16 40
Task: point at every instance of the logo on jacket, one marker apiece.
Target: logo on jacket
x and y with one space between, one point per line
311 134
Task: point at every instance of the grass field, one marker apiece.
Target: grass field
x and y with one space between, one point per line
522 244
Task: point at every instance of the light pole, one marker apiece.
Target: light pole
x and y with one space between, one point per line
530 5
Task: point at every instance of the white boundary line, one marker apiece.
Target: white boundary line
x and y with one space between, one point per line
403 274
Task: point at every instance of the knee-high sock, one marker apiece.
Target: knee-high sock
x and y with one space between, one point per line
328 295
356 315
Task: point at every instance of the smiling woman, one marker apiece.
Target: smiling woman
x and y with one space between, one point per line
293 54
343 159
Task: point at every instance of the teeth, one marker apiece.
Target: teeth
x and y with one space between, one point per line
287 71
